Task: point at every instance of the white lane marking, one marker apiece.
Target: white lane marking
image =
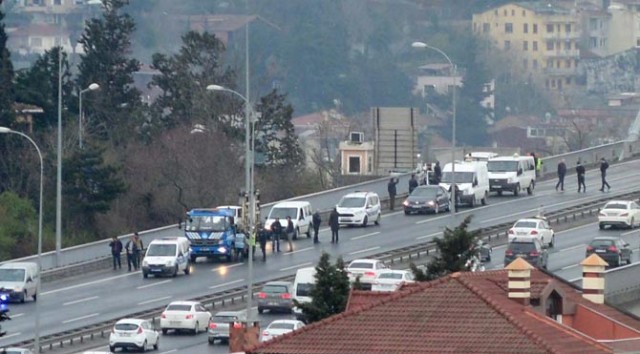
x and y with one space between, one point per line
15 315
88 283
569 266
428 236
154 300
436 218
154 284
302 250
582 245
629 232
170 351
80 300
81 318
295 266
576 228
226 267
12 334
363 251
365 236
227 283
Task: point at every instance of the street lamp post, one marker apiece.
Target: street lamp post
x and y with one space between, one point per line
249 187
4 130
453 124
91 87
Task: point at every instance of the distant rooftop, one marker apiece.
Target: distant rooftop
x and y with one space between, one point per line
544 7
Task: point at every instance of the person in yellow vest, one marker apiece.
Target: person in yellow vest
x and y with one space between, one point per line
539 166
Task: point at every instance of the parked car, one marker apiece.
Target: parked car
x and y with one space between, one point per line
392 280
280 327
534 227
484 251
133 333
612 249
530 249
359 208
623 213
365 269
185 315
276 296
427 199
219 325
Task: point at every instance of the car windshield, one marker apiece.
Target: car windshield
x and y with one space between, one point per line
522 247
161 250
282 213
126 326
502 166
361 265
390 276
224 319
12 275
526 224
616 206
207 223
179 308
281 325
602 243
352 202
425 192
304 289
461 177
274 289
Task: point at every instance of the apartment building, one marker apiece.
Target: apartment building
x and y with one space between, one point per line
541 37
624 31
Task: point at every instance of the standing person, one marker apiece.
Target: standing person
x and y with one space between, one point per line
136 250
538 162
391 188
276 230
262 239
335 225
562 171
316 226
413 183
437 170
116 249
604 165
580 171
289 231
131 259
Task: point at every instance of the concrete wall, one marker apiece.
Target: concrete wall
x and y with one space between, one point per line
395 138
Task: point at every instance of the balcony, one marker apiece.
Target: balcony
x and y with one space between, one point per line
571 53
561 36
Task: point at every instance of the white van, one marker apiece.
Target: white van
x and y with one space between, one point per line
300 213
19 280
359 208
512 174
167 256
480 156
472 180
302 286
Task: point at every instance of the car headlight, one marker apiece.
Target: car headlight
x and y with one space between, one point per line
405 203
222 249
431 202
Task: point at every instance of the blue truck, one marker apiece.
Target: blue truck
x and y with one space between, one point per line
212 234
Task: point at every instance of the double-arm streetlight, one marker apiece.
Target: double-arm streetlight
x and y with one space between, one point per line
249 184
452 73
4 130
91 87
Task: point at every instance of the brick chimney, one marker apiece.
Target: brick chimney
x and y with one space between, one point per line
593 278
520 280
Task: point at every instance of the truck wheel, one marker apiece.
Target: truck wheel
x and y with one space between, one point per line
484 199
516 191
365 221
377 222
309 231
530 188
187 269
175 271
24 297
193 258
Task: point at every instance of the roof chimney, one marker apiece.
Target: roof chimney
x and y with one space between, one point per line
593 278
520 280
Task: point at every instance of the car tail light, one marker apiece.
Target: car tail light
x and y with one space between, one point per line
262 295
624 214
265 333
589 249
534 253
511 232
139 330
612 249
508 253
534 232
189 316
212 325
286 296
370 274
163 315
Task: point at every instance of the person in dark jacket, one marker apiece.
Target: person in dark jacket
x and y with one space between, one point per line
290 233
262 239
116 249
413 183
604 165
132 251
391 188
335 225
437 171
580 172
562 171
316 226
276 230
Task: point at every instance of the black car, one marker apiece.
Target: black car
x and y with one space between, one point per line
612 249
530 249
425 199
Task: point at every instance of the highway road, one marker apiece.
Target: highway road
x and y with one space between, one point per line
83 300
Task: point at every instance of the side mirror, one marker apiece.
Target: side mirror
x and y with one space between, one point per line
29 280
519 171
475 183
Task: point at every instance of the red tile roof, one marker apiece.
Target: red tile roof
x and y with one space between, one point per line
460 313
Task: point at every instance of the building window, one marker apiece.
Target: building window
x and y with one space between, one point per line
553 83
549 45
525 45
549 28
568 81
524 13
567 64
567 28
550 64
486 28
567 45
513 12
370 164
535 64
508 27
495 12
507 45
57 2
504 12
535 46
535 28
354 164
525 28
593 24
593 42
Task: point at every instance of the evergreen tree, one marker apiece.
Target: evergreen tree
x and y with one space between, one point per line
7 95
454 249
330 293
106 42
18 226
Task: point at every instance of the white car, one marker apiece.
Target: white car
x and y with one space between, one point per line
133 333
359 208
280 327
534 227
623 213
185 315
365 269
392 280
16 351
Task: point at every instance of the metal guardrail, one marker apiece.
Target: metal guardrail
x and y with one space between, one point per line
492 234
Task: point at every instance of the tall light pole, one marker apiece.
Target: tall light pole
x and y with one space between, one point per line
59 160
91 87
249 187
452 73
4 130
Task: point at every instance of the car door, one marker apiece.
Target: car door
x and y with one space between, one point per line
203 315
547 231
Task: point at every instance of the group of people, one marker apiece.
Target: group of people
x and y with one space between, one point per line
580 173
435 178
133 248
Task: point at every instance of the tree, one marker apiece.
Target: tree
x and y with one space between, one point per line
18 226
106 42
330 294
454 249
7 95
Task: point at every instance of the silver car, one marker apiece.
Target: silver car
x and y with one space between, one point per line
276 296
219 325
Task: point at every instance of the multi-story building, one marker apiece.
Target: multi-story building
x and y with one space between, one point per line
624 31
541 37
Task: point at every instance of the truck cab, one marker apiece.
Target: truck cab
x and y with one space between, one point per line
211 233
